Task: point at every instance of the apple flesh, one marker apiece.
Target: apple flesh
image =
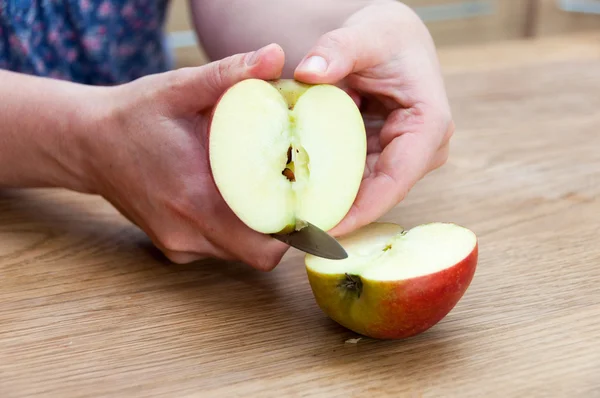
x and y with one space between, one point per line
284 151
395 283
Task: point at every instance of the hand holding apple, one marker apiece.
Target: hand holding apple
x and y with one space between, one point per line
385 54
148 156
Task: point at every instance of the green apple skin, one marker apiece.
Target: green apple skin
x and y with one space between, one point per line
393 309
290 89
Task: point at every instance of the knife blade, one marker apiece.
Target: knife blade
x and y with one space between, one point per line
313 240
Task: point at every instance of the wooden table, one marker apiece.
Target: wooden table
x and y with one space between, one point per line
88 308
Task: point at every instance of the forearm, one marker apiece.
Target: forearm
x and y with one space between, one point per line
42 122
234 26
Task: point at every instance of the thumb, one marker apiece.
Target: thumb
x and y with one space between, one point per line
197 88
339 53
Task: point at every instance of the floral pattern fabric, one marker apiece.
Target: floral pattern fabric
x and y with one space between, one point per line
97 42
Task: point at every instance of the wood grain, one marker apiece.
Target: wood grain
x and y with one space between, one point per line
88 308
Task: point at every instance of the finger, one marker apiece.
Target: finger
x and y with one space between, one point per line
368 38
373 144
183 257
373 126
340 53
355 95
190 257
401 164
258 250
449 132
261 252
375 106
178 239
197 88
225 231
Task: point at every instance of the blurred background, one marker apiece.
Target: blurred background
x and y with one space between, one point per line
451 22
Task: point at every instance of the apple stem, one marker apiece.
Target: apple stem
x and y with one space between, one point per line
352 283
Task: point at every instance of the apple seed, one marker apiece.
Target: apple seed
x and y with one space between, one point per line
289 174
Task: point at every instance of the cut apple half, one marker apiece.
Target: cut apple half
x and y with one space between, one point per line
395 283
284 151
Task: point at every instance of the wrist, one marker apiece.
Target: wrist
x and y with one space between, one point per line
77 124
42 125
89 118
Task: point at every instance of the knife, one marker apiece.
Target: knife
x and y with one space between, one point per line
313 240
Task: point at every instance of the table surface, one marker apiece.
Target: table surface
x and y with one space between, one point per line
88 308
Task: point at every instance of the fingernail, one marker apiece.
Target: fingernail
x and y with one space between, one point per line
315 64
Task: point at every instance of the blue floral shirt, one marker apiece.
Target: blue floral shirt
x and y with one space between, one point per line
97 42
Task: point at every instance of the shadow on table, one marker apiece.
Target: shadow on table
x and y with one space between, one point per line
213 306
63 231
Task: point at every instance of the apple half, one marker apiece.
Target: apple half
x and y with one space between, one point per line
282 151
395 283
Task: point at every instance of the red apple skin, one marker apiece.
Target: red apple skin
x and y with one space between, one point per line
394 309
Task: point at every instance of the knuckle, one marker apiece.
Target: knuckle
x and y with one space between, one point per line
450 128
175 233
182 249
440 158
340 43
443 158
177 80
334 39
217 74
172 242
267 261
170 88
222 72
182 257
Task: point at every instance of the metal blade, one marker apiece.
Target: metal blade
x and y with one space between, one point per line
315 241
